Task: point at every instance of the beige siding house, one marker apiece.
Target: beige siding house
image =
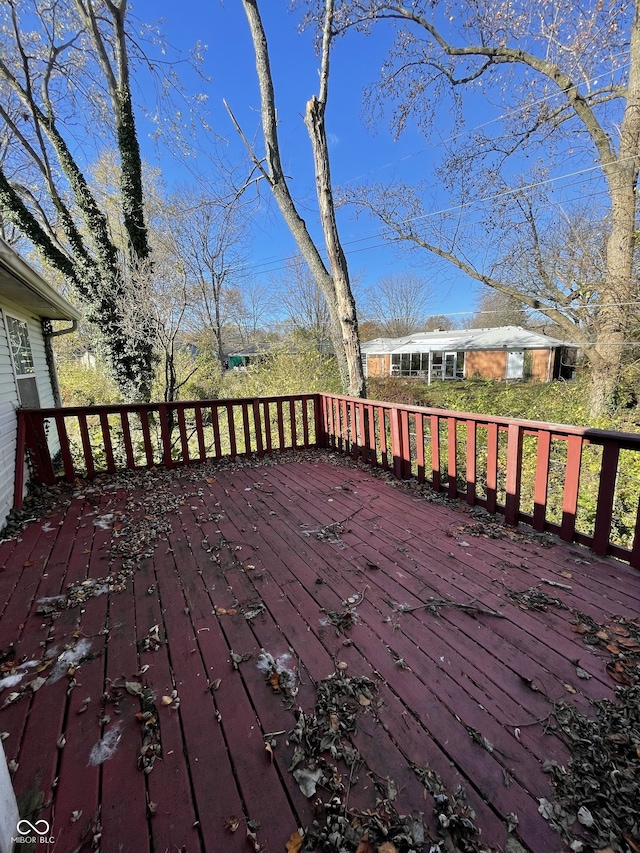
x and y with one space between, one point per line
505 352
27 372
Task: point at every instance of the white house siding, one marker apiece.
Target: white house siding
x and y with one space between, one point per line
9 398
8 428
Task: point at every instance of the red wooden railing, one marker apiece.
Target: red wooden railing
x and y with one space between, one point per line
581 484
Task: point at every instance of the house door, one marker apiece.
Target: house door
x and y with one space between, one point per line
450 365
515 364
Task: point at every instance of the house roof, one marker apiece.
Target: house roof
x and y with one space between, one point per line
501 337
22 284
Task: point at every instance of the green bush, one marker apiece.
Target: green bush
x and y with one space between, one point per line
86 386
284 371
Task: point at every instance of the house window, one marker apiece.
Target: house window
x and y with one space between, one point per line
23 365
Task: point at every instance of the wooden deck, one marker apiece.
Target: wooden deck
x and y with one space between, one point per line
277 557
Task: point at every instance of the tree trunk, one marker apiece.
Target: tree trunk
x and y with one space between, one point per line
622 177
345 303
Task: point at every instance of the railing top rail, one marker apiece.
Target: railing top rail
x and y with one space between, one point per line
627 439
113 408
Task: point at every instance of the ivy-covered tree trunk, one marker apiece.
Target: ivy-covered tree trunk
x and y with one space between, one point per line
43 56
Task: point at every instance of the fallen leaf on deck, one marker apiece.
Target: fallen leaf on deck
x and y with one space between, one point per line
232 611
585 817
566 575
363 700
621 632
545 808
274 681
28 564
76 815
364 846
60 743
602 635
236 659
232 823
635 845
215 684
133 688
11 698
388 847
166 700
152 808
570 688
582 673
36 684
269 751
294 844
307 780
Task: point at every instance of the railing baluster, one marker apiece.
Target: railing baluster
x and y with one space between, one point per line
215 421
86 445
305 423
344 428
257 425
266 408
292 420
541 486
492 467
231 420
354 429
606 495
106 440
202 451
65 449
21 449
165 433
362 433
471 462
514 474
184 439
126 437
246 430
435 453
452 456
281 444
571 487
405 444
382 431
396 442
146 436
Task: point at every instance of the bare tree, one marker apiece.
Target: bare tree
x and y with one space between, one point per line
569 83
498 309
398 302
333 282
209 239
301 302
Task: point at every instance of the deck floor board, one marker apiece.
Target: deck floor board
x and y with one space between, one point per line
265 559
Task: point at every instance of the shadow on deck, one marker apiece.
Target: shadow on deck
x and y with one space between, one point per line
133 618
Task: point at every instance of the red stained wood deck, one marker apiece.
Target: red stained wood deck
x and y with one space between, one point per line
244 557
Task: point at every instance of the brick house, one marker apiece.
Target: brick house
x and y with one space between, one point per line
505 352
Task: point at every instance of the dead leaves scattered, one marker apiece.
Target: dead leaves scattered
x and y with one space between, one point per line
294 844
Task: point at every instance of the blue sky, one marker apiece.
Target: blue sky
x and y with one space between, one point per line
357 152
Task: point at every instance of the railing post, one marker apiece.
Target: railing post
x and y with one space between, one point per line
471 462
541 486
396 441
571 486
319 420
606 493
21 446
452 457
514 474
